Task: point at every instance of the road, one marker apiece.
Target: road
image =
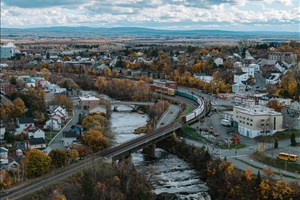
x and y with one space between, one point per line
168 116
240 158
56 143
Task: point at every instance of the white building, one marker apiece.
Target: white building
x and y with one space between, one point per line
3 155
238 87
295 106
53 124
24 124
253 121
273 78
68 138
240 77
255 66
218 61
37 134
2 131
249 70
204 78
7 51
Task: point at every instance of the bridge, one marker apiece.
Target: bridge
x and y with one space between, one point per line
146 142
129 103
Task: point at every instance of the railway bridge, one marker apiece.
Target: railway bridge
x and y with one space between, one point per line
145 142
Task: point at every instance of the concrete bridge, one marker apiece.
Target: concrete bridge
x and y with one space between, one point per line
129 103
146 142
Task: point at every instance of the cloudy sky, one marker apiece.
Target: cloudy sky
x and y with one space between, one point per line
248 15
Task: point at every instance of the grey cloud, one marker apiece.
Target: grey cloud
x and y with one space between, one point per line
42 3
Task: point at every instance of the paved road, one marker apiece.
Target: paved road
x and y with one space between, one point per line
240 158
168 116
56 143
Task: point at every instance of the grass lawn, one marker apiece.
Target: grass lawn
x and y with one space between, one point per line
291 166
187 109
232 146
49 136
282 135
191 132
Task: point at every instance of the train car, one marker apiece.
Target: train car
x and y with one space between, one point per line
171 92
188 117
163 90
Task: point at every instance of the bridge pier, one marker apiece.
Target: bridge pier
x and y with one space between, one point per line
150 150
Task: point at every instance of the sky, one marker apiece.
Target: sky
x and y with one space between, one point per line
235 15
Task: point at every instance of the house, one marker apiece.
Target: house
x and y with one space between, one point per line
69 137
249 70
295 106
203 77
238 87
53 124
7 88
273 78
283 56
253 121
35 143
24 124
240 77
88 102
2 131
218 61
58 110
3 155
13 166
255 66
282 66
37 134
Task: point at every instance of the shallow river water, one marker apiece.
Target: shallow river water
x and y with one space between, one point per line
167 173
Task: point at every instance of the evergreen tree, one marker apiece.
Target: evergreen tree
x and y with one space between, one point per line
293 140
276 143
258 179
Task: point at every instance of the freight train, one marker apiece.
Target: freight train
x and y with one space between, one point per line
172 92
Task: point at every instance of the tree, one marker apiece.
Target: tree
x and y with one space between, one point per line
13 80
293 140
64 101
37 163
276 105
95 140
95 120
18 108
276 143
107 72
5 180
59 158
68 83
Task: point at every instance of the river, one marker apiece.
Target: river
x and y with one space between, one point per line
167 173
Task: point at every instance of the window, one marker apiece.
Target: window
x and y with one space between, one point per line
262 125
247 123
251 120
250 124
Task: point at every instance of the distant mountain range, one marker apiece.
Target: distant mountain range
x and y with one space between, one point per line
83 30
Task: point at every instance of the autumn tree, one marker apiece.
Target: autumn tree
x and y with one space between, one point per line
59 158
95 140
37 163
96 121
68 83
64 101
107 72
5 180
288 85
18 108
276 105
101 84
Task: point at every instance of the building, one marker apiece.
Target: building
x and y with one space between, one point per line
69 137
24 124
53 124
7 88
88 102
3 155
283 56
218 61
2 131
249 70
295 106
240 77
253 121
36 143
7 51
204 77
37 134
238 88
273 78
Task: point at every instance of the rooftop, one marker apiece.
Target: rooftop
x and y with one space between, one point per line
89 98
28 120
35 141
256 110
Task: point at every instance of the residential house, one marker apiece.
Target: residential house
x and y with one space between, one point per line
60 111
7 88
240 77
35 143
3 155
249 70
2 131
38 133
283 56
255 67
218 61
88 102
203 77
24 125
69 137
273 78
238 88
253 121
295 106
53 124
